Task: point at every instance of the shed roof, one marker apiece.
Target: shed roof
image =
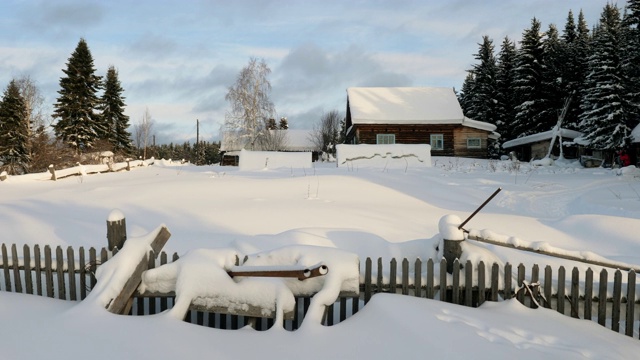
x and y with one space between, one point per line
404 105
635 134
546 135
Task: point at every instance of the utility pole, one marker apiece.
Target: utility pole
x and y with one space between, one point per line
198 142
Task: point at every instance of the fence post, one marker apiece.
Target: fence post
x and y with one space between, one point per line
452 239
116 230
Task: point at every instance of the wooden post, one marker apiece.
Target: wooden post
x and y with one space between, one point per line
128 164
116 230
121 304
3 176
52 170
452 250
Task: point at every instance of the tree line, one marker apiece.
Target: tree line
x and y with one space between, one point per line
523 89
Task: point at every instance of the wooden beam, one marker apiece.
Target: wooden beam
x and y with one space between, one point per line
279 271
121 304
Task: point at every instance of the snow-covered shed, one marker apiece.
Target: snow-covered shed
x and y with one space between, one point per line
290 140
415 115
536 146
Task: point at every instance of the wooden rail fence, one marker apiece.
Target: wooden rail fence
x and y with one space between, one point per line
609 300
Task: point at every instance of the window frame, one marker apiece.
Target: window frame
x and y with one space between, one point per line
389 137
433 141
479 146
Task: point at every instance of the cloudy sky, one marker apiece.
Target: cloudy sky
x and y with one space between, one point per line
178 58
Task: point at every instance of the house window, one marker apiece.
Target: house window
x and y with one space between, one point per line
437 142
385 139
474 143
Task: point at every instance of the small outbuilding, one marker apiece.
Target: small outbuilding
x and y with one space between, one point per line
416 115
536 146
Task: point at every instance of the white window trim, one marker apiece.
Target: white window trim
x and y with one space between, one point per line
385 136
479 146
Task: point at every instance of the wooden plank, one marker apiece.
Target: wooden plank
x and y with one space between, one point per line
495 281
71 271
393 275
521 277
535 278
62 289
26 259
588 295
548 283
37 258
343 309
455 285
617 299
405 276
83 273
117 306
48 268
631 302
367 280
482 283
163 300
15 262
443 279
278 271
508 276
379 276
602 298
5 268
430 291
575 292
561 289
93 266
468 283
417 279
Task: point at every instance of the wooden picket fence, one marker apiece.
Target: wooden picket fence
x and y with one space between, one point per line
612 302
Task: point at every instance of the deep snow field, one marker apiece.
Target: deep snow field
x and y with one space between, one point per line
374 210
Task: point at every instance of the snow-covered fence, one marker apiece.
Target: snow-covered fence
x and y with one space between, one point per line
390 156
610 298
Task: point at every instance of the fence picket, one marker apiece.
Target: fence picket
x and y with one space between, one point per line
575 292
455 285
17 279
617 297
508 270
83 273
393 275
631 295
443 279
37 258
5 268
367 280
71 266
417 280
430 291
548 282
379 275
561 292
535 278
62 294
48 268
521 277
588 295
468 284
602 298
26 260
495 280
482 283
405 277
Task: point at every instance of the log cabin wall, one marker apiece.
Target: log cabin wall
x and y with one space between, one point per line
454 136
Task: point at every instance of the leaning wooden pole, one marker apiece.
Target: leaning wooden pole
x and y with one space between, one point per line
479 208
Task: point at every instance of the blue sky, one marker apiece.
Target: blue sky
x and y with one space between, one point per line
178 58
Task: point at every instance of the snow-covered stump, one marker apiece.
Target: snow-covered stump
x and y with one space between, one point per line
452 238
116 230
52 170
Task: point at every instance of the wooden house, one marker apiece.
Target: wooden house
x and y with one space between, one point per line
415 115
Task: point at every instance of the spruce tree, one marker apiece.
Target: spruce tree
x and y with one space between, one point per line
113 116
575 40
79 124
530 99
554 82
603 119
505 96
14 131
466 94
631 61
483 103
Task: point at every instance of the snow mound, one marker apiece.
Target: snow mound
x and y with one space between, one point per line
264 160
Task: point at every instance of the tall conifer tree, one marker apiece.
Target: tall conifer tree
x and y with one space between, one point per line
505 96
603 119
14 131
79 124
113 116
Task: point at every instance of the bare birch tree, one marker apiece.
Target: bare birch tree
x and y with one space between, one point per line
326 133
143 131
34 103
250 104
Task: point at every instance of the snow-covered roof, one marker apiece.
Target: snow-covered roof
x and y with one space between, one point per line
295 140
404 105
546 135
478 124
